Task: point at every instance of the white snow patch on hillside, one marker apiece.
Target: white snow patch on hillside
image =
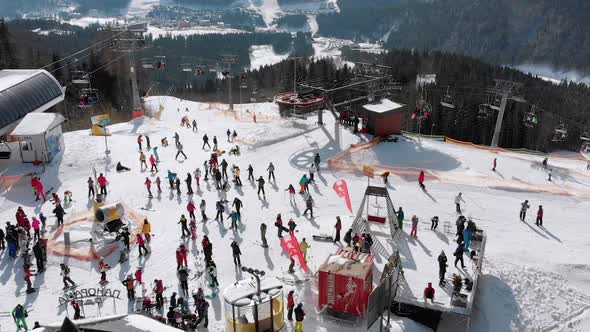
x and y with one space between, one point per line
264 55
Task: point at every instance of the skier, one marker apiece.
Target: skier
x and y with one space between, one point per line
429 293
27 274
311 170
303 184
183 224
194 125
442 267
155 154
348 237
190 207
523 207
309 206
153 163
220 208
176 139
400 218
434 223
141 245
90 187
228 133
299 316
236 253
203 312
205 142
291 224
203 206
197 175
290 305
36 228
179 147
539 221
189 183
291 191
38 252
177 184
65 273
183 278
250 173
494 163
159 290
146 230
147 142
385 177
549 172
234 136
279 224
234 220
458 200
236 172
102 182
142 161
421 180
59 214
148 185
316 161
263 235
414 231
19 314
261 186
271 171
224 168
158 184
237 203
139 140
130 286
459 255
338 227
304 246
103 267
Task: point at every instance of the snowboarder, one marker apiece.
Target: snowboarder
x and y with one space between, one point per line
153 163
142 161
290 305
299 316
414 231
141 245
291 191
494 164
90 187
184 226
263 235
348 237
261 186
429 293
309 206
385 177
146 230
205 142
523 207
129 284
179 147
190 207
539 221
458 200
220 208
102 182
148 185
338 227
236 253
421 180
250 173
19 314
158 184
271 171
442 267
304 246
400 218
434 223
189 184
139 140
202 207
459 255
316 161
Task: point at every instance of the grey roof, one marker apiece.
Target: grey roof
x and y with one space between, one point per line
26 91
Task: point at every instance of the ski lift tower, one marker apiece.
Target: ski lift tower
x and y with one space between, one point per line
228 60
507 90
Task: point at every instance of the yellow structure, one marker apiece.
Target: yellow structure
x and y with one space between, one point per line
99 123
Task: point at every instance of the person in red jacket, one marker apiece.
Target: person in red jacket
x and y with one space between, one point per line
495 163
421 180
184 253
102 182
153 163
178 259
290 305
429 293
148 185
190 207
139 140
539 221
141 245
159 290
38 186
139 275
27 276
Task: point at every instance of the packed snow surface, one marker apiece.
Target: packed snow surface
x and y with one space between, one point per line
534 279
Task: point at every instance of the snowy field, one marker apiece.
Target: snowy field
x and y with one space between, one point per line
535 278
264 55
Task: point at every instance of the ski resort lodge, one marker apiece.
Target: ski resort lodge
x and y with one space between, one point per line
382 118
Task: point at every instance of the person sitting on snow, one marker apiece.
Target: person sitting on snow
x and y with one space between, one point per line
121 168
429 293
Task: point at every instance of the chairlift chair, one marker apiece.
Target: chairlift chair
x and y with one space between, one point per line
560 133
186 67
5 151
80 77
447 101
584 136
147 63
160 62
530 118
484 111
496 103
88 98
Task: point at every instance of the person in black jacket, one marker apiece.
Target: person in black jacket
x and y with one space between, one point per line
442 267
2 244
348 237
237 203
203 312
459 255
183 278
38 252
59 214
261 186
189 181
236 253
299 316
250 173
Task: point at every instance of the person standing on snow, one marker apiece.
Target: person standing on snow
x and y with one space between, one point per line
90 187
338 227
129 284
309 206
290 305
189 183
299 317
102 182
421 180
263 235
304 246
348 237
103 267
155 153
190 207
442 267
205 142
158 184
539 221
159 290
385 177
220 208
59 214
261 186
183 278
236 253
316 161
139 140
250 173
458 200
434 223
142 161
65 273
197 175
234 220
271 172
279 224
303 182
523 207
549 172
176 139
19 314
414 231
291 191
146 230
291 224
224 169
184 226
494 163
237 204
218 178
147 142
153 163
459 255
236 172
194 127
177 183
228 133
400 218
148 185
141 245
179 147
36 228
202 207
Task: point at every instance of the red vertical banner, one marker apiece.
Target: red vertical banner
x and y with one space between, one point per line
291 246
341 188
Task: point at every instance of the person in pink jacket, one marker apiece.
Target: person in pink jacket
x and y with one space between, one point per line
36 183
36 228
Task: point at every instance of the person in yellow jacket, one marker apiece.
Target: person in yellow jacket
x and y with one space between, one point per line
146 229
304 246
237 179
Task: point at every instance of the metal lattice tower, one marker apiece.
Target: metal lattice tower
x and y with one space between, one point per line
507 90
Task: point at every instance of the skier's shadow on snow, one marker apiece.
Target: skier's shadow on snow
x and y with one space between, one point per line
263 203
274 186
239 190
316 189
7 266
430 196
269 262
536 230
296 210
319 176
551 234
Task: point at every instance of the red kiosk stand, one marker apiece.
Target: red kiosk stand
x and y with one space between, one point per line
345 282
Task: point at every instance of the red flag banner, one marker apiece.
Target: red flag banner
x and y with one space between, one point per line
341 188
291 246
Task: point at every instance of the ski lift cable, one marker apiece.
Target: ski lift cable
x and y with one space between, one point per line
106 64
76 60
83 50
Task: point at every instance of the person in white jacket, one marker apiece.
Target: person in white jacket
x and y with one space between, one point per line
458 200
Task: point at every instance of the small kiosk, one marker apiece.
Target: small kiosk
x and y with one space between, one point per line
39 137
382 118
345 281
254 306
